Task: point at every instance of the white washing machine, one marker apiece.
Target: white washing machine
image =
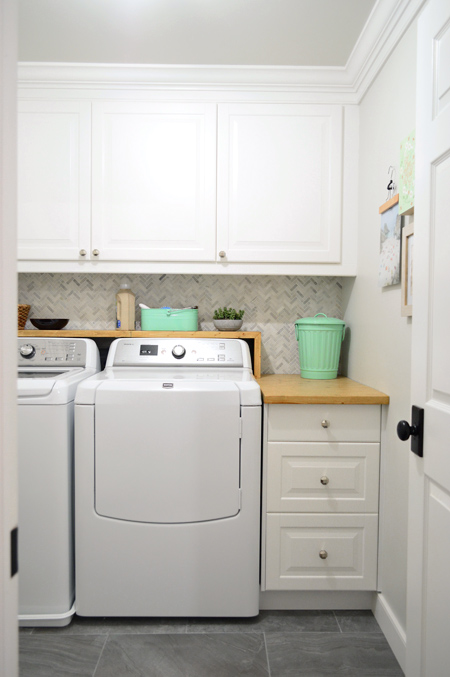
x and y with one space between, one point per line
50 370
167 476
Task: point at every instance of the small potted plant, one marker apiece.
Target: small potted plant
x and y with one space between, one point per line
228 319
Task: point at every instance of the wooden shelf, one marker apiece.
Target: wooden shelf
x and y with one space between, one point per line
293 389
253 338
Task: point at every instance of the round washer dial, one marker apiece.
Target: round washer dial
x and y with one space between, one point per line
178 352
27 351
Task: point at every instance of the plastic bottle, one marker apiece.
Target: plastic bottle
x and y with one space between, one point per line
125 308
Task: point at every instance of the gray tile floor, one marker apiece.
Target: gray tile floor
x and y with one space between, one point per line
274 644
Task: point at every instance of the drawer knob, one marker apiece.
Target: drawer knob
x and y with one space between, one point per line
95 252
325 424
323 554
324 480
83 252
222 254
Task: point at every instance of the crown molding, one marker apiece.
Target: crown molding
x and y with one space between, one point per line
36 74
385 26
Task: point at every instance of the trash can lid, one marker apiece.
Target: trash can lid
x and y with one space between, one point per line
320 319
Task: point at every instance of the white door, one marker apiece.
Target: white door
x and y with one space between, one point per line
153 181
279 183
54 182
428 605
8 341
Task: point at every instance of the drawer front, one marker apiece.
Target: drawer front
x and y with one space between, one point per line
324 423
321 552
320 477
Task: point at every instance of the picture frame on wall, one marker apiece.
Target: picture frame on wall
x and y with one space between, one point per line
407 269
406 185
390 243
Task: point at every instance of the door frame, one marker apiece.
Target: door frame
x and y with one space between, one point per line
8 333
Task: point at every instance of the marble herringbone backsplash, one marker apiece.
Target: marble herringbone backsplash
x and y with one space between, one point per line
271 303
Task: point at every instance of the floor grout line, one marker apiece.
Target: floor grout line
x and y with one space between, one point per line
267 655
101 654
338 624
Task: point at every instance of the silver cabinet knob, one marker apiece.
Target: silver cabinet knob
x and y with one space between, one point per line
324 480
323 554
95 252
222 254
83 252
325 424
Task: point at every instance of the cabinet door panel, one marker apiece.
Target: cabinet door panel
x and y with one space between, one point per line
315 477
53 179
154 181
280 182
324 423
321 552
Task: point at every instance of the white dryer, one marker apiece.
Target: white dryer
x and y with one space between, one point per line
167 468
50 370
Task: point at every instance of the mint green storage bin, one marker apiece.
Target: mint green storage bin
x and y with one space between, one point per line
169 319
319 345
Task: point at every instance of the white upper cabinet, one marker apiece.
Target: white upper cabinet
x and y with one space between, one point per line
54 181
153 181
280 182
185 181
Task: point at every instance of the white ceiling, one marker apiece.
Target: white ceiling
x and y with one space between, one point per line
216 32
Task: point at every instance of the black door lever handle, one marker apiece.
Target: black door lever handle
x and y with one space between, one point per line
413 431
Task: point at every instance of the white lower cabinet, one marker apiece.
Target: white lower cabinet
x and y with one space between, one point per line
320 512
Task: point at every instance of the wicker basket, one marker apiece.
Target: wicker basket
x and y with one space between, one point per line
23 311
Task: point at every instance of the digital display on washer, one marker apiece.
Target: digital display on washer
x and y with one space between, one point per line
148 350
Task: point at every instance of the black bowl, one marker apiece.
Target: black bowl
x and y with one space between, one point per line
48 324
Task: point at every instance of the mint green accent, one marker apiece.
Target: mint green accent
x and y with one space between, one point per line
319 319
169 319
319 345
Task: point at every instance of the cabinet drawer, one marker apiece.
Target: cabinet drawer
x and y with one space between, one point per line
321 477
324 423
321 552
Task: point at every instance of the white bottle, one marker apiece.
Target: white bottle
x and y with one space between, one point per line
125 308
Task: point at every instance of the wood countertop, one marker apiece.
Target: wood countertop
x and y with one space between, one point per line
293 389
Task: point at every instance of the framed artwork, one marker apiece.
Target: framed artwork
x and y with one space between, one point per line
390 236
407 174
407 269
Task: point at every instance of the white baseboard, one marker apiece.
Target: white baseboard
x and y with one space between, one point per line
312 600
392 630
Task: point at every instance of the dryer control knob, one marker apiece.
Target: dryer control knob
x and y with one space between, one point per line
27 350
178 352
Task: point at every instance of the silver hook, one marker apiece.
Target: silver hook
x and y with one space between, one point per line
391 185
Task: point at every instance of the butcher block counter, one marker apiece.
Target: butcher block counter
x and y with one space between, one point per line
293 389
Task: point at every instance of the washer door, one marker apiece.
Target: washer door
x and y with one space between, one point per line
167 452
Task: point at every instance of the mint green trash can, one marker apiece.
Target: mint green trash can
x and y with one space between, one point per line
319 345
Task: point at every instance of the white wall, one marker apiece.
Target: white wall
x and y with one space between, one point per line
380 346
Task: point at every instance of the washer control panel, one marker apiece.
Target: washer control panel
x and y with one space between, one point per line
51 353
149 352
